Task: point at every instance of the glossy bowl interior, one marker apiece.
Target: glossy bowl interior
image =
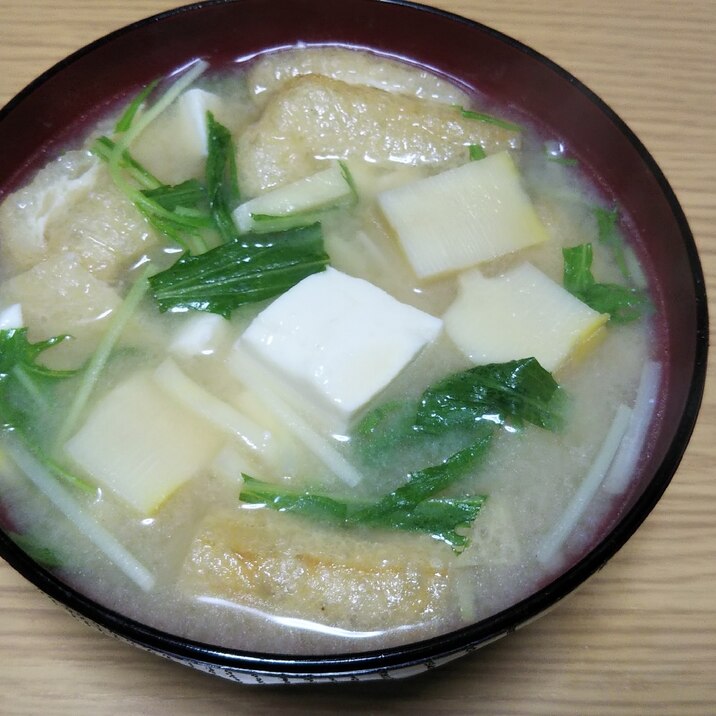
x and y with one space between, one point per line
76 92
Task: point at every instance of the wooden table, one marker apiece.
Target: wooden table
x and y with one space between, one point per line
638 638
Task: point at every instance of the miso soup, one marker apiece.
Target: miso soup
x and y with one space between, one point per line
321 354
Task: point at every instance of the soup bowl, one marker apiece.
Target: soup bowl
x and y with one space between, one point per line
70 97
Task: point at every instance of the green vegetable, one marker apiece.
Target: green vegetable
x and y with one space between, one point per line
554 152
42 479
183 212
27 392
125 121
36 551
103 147
157 202
608 235
476 152
348 176
490 119
17 351
515 392
182 225
246 270
22 379
182 197
131 129
307 504
425 483
265 223
449 412
410 507
622 303
221 182
395 415
564 161
441 518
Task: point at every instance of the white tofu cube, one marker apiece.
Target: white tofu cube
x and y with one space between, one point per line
462 217
11 317
193 106
341 337
519 314
174 146
200 334
141 444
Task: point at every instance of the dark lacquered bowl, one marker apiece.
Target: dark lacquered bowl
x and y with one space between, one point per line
77 91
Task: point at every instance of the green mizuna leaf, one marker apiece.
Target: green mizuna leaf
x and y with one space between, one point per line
623 303
476 152
27 394
17 351
221 180
411 507
425 483
183 212
35 550
449 412
307 504
125 121
23 381
515 392
489 119
247 270
608 235
190 194
159 203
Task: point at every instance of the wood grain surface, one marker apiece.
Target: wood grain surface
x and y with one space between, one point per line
640 637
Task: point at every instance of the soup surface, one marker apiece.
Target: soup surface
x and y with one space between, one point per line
319 355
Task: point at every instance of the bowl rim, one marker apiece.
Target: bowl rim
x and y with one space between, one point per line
464 639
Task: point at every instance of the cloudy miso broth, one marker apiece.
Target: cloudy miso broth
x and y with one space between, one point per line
323 355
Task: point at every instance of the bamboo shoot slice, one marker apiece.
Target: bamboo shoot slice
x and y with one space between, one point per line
519 314
141 444
462 217
324 190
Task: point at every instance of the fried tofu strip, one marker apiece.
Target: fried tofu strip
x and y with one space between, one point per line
315 118
270 72
291 567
